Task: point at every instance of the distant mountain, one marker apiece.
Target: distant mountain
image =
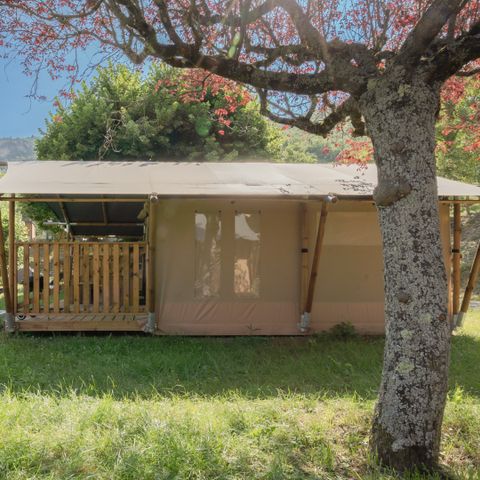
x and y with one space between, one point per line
17 149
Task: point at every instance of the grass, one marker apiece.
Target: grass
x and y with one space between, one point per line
133 407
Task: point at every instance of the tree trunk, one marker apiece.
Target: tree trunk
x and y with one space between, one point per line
408 417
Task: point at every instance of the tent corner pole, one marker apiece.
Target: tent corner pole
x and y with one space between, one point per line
456 258
151 325
304 324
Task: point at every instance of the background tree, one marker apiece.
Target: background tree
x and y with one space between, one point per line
168 115
315 63
458 132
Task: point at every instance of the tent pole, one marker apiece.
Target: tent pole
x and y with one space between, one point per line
472 280
457 235
305 318
9 317
304 255
151 246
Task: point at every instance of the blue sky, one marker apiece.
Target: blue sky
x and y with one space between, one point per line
21 116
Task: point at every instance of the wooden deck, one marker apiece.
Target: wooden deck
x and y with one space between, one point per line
82 322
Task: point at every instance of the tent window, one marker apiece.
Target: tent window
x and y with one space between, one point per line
247 254
208 231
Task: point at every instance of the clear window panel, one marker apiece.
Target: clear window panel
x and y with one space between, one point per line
247 254
208 231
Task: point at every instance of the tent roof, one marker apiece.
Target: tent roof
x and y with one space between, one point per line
200 179
128 181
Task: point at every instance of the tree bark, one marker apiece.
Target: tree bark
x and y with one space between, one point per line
400 119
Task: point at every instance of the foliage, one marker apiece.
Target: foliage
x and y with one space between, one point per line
129 407
21 233
165 115
458 132
298 146
41 214
343 330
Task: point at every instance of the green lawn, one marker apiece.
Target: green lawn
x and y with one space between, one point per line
126 407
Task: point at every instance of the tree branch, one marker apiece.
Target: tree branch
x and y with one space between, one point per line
426 30
451 58
349 108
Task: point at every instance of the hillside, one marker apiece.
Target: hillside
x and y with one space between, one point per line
16 149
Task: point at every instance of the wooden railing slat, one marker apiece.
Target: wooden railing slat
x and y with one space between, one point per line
56 278
36 278
15 278
86 277
46 277
76 278
126 276
116 278
66 277
96 278
136 278
106 278
26 278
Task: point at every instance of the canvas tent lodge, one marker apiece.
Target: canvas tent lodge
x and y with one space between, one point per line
206 248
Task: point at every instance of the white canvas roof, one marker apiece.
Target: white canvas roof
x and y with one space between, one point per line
200 179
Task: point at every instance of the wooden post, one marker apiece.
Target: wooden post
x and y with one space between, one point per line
472 280
151 247
304 256
9 317
457 235
305 319
11 246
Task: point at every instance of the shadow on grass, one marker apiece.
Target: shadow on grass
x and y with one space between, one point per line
253 367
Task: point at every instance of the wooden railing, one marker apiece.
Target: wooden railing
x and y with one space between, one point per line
78 277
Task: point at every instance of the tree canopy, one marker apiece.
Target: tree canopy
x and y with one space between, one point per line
309 61
167 115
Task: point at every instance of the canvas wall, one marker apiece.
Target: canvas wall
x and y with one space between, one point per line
275 311
350 278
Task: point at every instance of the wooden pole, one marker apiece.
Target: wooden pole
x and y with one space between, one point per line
316 257
151 247
304 255
457 235
472 280
9 319
11 245
305 319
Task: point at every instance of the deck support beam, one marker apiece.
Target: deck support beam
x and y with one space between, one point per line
304 324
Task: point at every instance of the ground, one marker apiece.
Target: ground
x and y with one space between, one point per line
134 407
